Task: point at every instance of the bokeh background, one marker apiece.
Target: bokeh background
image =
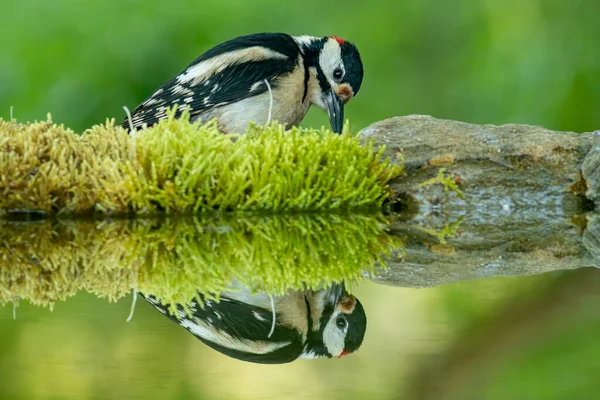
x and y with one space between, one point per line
529 338
481 61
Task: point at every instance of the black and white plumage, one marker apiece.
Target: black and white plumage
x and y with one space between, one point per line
254 77
308 324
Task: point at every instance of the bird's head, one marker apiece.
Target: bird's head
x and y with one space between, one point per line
340 327
339 73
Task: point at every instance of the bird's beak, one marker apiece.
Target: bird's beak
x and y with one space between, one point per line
335 109
336 292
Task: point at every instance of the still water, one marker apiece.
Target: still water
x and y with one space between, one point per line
485 332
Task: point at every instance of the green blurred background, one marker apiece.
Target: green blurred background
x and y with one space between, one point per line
529 338
483 61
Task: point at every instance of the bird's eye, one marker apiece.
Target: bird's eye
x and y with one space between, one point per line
338 73
341 322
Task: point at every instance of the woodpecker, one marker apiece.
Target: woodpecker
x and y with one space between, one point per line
259 78
308 324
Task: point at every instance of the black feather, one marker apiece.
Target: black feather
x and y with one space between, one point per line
314 340
239 320
279 42
353 66
311 51
283 355
357 325
234 81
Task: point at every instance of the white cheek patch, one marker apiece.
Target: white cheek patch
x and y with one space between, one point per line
330 58
333 337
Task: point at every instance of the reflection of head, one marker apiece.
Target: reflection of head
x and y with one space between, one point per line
340 327
308 324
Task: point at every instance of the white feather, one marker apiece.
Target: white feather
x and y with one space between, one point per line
273 316
132 131
268 122
203 70
330 58
334 337
208 332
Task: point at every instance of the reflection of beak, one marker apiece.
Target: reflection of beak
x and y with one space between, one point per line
336 292
335 109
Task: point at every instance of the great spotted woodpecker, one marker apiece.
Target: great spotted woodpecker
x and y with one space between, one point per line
308 324
258 78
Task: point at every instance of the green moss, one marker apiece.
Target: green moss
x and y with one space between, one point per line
178 167
448 231
447 181
174 258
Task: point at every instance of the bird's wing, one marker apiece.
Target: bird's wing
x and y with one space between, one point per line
233 71
236 329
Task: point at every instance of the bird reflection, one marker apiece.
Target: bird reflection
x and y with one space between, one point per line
308 324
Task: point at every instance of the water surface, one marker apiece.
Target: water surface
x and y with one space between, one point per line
513 337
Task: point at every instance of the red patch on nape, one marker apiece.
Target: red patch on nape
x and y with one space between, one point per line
338 39
343 353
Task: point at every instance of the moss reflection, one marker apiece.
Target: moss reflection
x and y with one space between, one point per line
173 259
